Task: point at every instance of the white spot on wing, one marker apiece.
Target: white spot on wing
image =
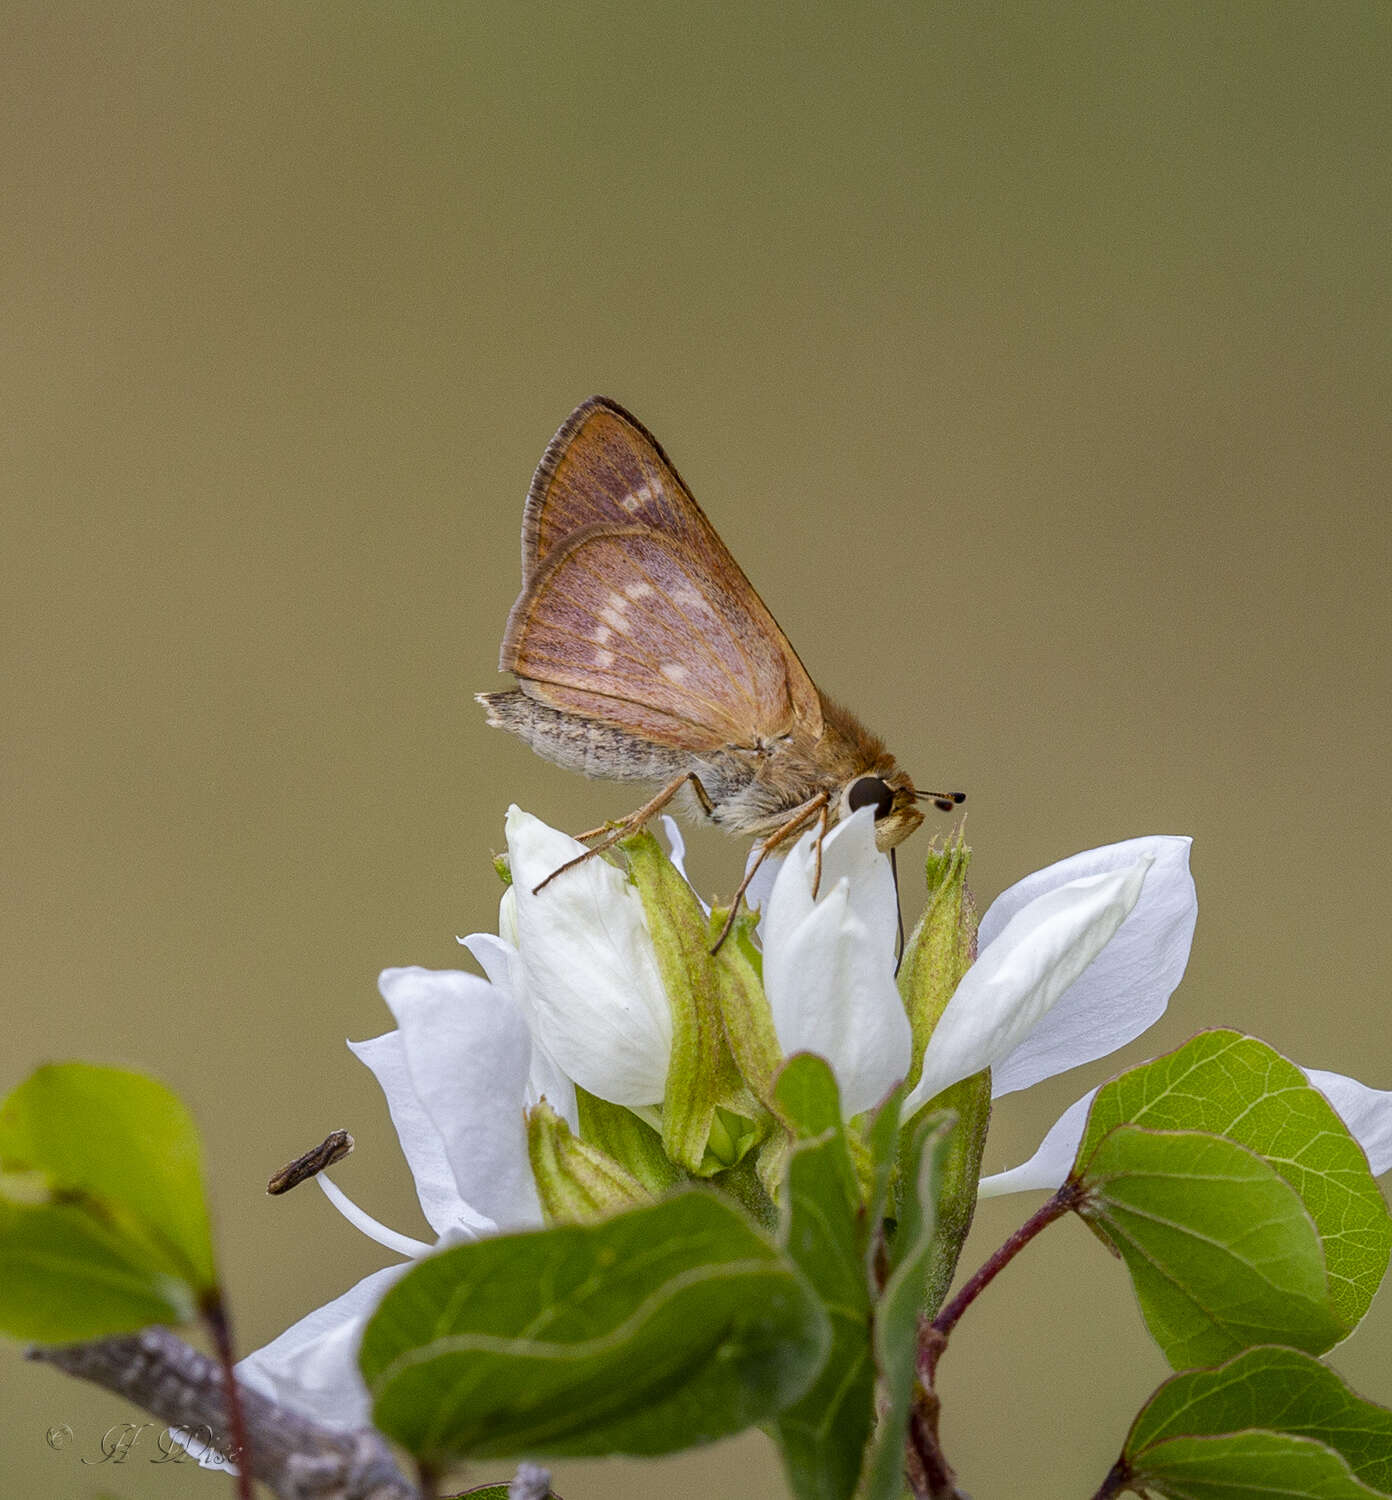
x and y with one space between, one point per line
638 590
639 497
614 618
673 671
688 596
601 635
604 658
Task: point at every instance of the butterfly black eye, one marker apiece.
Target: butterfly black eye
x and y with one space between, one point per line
870 791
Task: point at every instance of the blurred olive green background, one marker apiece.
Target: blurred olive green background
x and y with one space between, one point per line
1033 360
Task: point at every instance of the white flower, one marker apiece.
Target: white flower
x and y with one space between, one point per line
591 989
1075 961
1126 987
829 961
457 1074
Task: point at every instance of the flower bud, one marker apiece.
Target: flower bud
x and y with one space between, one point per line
576 1182
627 1139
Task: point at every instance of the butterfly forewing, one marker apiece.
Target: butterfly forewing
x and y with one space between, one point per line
604 466
632 610
627 625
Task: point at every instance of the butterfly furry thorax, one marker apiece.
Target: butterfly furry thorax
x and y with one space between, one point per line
643 653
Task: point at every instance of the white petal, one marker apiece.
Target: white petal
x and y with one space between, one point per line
468 1053
848 852
313 1366
1017 979
1126 988
594 994
507 916
421 1142
1048 1167
1367 1113
498 959
545 1080
829 974
676 846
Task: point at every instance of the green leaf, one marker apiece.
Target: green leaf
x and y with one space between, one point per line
117 1164
823 1435
1280 1390
1220 1249
881 1138
1250 1466
1233 1085
495 1492
63 1277
897 1313
658 1329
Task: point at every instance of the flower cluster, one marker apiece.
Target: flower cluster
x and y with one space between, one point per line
604 1052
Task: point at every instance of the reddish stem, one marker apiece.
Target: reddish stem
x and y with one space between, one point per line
1066 1199
1118 1479
219 1325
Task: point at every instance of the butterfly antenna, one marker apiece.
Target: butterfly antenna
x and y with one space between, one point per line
943 801
898 911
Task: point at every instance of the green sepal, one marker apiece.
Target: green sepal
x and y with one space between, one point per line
502 867
959 1174
941 948
628 1140
701 1073
744 1007
577 1183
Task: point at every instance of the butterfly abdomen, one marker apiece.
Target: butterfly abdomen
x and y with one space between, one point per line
580 744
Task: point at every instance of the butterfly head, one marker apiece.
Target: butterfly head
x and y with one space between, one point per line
895 803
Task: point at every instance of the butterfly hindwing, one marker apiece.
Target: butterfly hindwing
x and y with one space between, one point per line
635 628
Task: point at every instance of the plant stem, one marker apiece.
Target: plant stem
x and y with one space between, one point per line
185 1388
931 1346
1118 1479
220 1326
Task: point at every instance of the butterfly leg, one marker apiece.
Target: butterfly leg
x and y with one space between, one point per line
613 832
823 821
802 816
